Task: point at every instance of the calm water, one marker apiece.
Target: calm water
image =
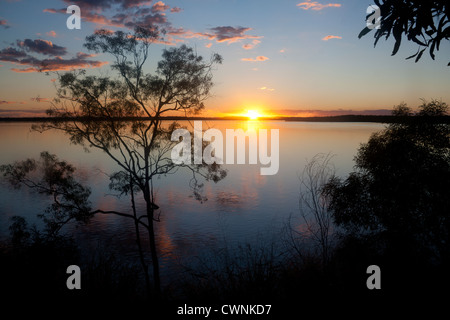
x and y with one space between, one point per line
245 207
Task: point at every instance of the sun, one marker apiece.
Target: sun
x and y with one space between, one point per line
253 114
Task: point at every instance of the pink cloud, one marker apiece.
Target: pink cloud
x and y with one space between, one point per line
257 59
4 24
221 34
316 5
51 34
249 46
175 9
330 37
160 6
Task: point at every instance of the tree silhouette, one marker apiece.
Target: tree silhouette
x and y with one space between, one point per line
423 22
400 192
94 112
70 198
314 205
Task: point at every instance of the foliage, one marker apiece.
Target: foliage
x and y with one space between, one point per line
316 225
400 189
54 178
423 22
122 117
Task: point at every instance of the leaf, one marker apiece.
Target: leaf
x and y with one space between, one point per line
397 32
364 32
396 47
429 32
415 54
420 55
432 49
418 41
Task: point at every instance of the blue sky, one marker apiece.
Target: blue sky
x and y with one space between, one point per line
277 58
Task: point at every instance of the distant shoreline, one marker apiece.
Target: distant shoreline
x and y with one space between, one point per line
341 118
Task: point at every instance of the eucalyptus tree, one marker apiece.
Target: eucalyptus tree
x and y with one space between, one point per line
122 116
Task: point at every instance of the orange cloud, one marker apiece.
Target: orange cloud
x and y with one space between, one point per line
316 5
160 6
4 24
249 46
257 59
220 34
330 37
51 34
10 102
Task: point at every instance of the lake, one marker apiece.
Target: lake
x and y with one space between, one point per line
245 207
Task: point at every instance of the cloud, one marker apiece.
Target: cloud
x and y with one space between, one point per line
331 37
208 45
175 9
21 113
221 34
4 23
316 5
257 59
107 4
56 63
160 6
249 46
82 55
10 102
54 10
328 113
11 55
266 89
231 34
51 34
127 18
131 12
42 46
39 99
142 18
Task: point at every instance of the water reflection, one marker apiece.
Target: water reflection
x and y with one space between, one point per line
238 208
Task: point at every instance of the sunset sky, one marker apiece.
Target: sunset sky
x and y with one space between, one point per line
280 57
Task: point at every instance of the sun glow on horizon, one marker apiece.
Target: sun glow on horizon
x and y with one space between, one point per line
253 114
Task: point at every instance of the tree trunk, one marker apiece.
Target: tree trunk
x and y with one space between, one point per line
152 240
138 241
